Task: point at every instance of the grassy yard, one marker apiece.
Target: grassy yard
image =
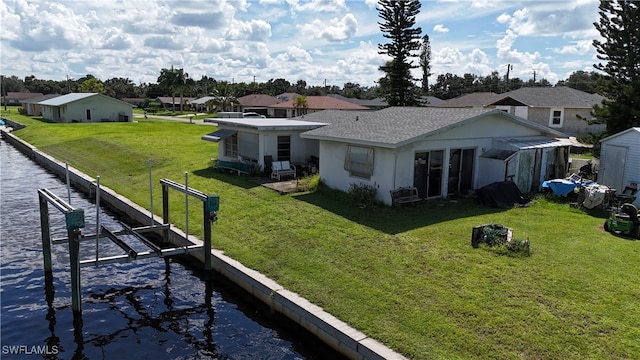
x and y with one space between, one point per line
407 277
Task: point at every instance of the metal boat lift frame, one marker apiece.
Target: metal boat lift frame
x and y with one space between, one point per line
75 221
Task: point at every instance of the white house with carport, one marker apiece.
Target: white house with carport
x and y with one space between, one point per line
259 141
86 107
620 162
440 151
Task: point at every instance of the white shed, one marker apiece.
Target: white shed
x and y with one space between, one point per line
620 162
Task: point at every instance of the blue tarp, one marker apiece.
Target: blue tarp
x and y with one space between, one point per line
563 187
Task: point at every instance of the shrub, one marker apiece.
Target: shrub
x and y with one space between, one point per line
308 183
363 195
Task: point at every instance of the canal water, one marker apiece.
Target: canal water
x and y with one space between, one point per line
146 309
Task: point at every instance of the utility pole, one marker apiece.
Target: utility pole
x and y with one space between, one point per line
506 82
534 76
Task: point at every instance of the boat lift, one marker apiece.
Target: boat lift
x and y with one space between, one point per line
74 219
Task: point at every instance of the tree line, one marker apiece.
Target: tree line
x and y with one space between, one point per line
446 86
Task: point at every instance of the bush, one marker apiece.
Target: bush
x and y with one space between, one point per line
363 195
308 183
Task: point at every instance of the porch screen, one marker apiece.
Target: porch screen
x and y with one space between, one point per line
248 145
358 161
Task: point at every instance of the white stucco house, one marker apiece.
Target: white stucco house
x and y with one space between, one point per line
558 107
85 107
261 140
620 162
440 151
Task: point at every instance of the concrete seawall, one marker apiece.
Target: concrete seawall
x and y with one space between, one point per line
337 334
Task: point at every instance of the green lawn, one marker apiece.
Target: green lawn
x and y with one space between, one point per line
407 277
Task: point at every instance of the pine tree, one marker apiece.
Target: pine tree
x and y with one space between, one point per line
399 18
425 63
619 25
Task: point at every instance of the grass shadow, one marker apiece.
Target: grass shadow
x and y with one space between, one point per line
234 179
396 220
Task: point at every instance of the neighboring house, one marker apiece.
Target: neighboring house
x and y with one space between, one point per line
32 106
258 140
17 98
168 103
373 104
202 104
440 151
620 162
431 101
314 103
137 102
258 103
474 100
86 107
558 107
287 97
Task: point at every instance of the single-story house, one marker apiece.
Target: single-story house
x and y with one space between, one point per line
173 103
440 151
261 140
86 107
472 100
17 98
288 109
32 106
203 104
620 162
558 107
258 103
373 104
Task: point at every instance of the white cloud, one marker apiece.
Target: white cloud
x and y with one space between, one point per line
318 6
335 30
582 47
254 30
294 53
440 28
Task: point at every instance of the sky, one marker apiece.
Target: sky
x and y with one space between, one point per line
323 42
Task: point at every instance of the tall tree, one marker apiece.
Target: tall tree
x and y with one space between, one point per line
172 80
619 25
399 19
91 85
425 62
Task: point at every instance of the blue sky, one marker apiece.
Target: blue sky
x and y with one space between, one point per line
318 41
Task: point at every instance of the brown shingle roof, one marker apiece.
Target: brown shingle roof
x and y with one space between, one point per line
258 100
322 103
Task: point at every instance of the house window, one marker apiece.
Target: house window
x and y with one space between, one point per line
358 161
556 118
248 146
231 146
284 148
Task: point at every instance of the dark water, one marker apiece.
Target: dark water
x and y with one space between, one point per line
147 309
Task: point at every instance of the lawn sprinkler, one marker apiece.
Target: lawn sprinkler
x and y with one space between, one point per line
624 219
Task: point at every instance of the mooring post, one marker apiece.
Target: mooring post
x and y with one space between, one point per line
210 206
46 233
75 221
97 218
150 194
165 211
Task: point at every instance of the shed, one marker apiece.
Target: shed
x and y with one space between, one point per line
620 162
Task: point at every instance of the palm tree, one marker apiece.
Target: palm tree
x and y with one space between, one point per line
224 98
172 79
300 105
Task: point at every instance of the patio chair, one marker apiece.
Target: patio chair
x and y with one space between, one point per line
282 168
